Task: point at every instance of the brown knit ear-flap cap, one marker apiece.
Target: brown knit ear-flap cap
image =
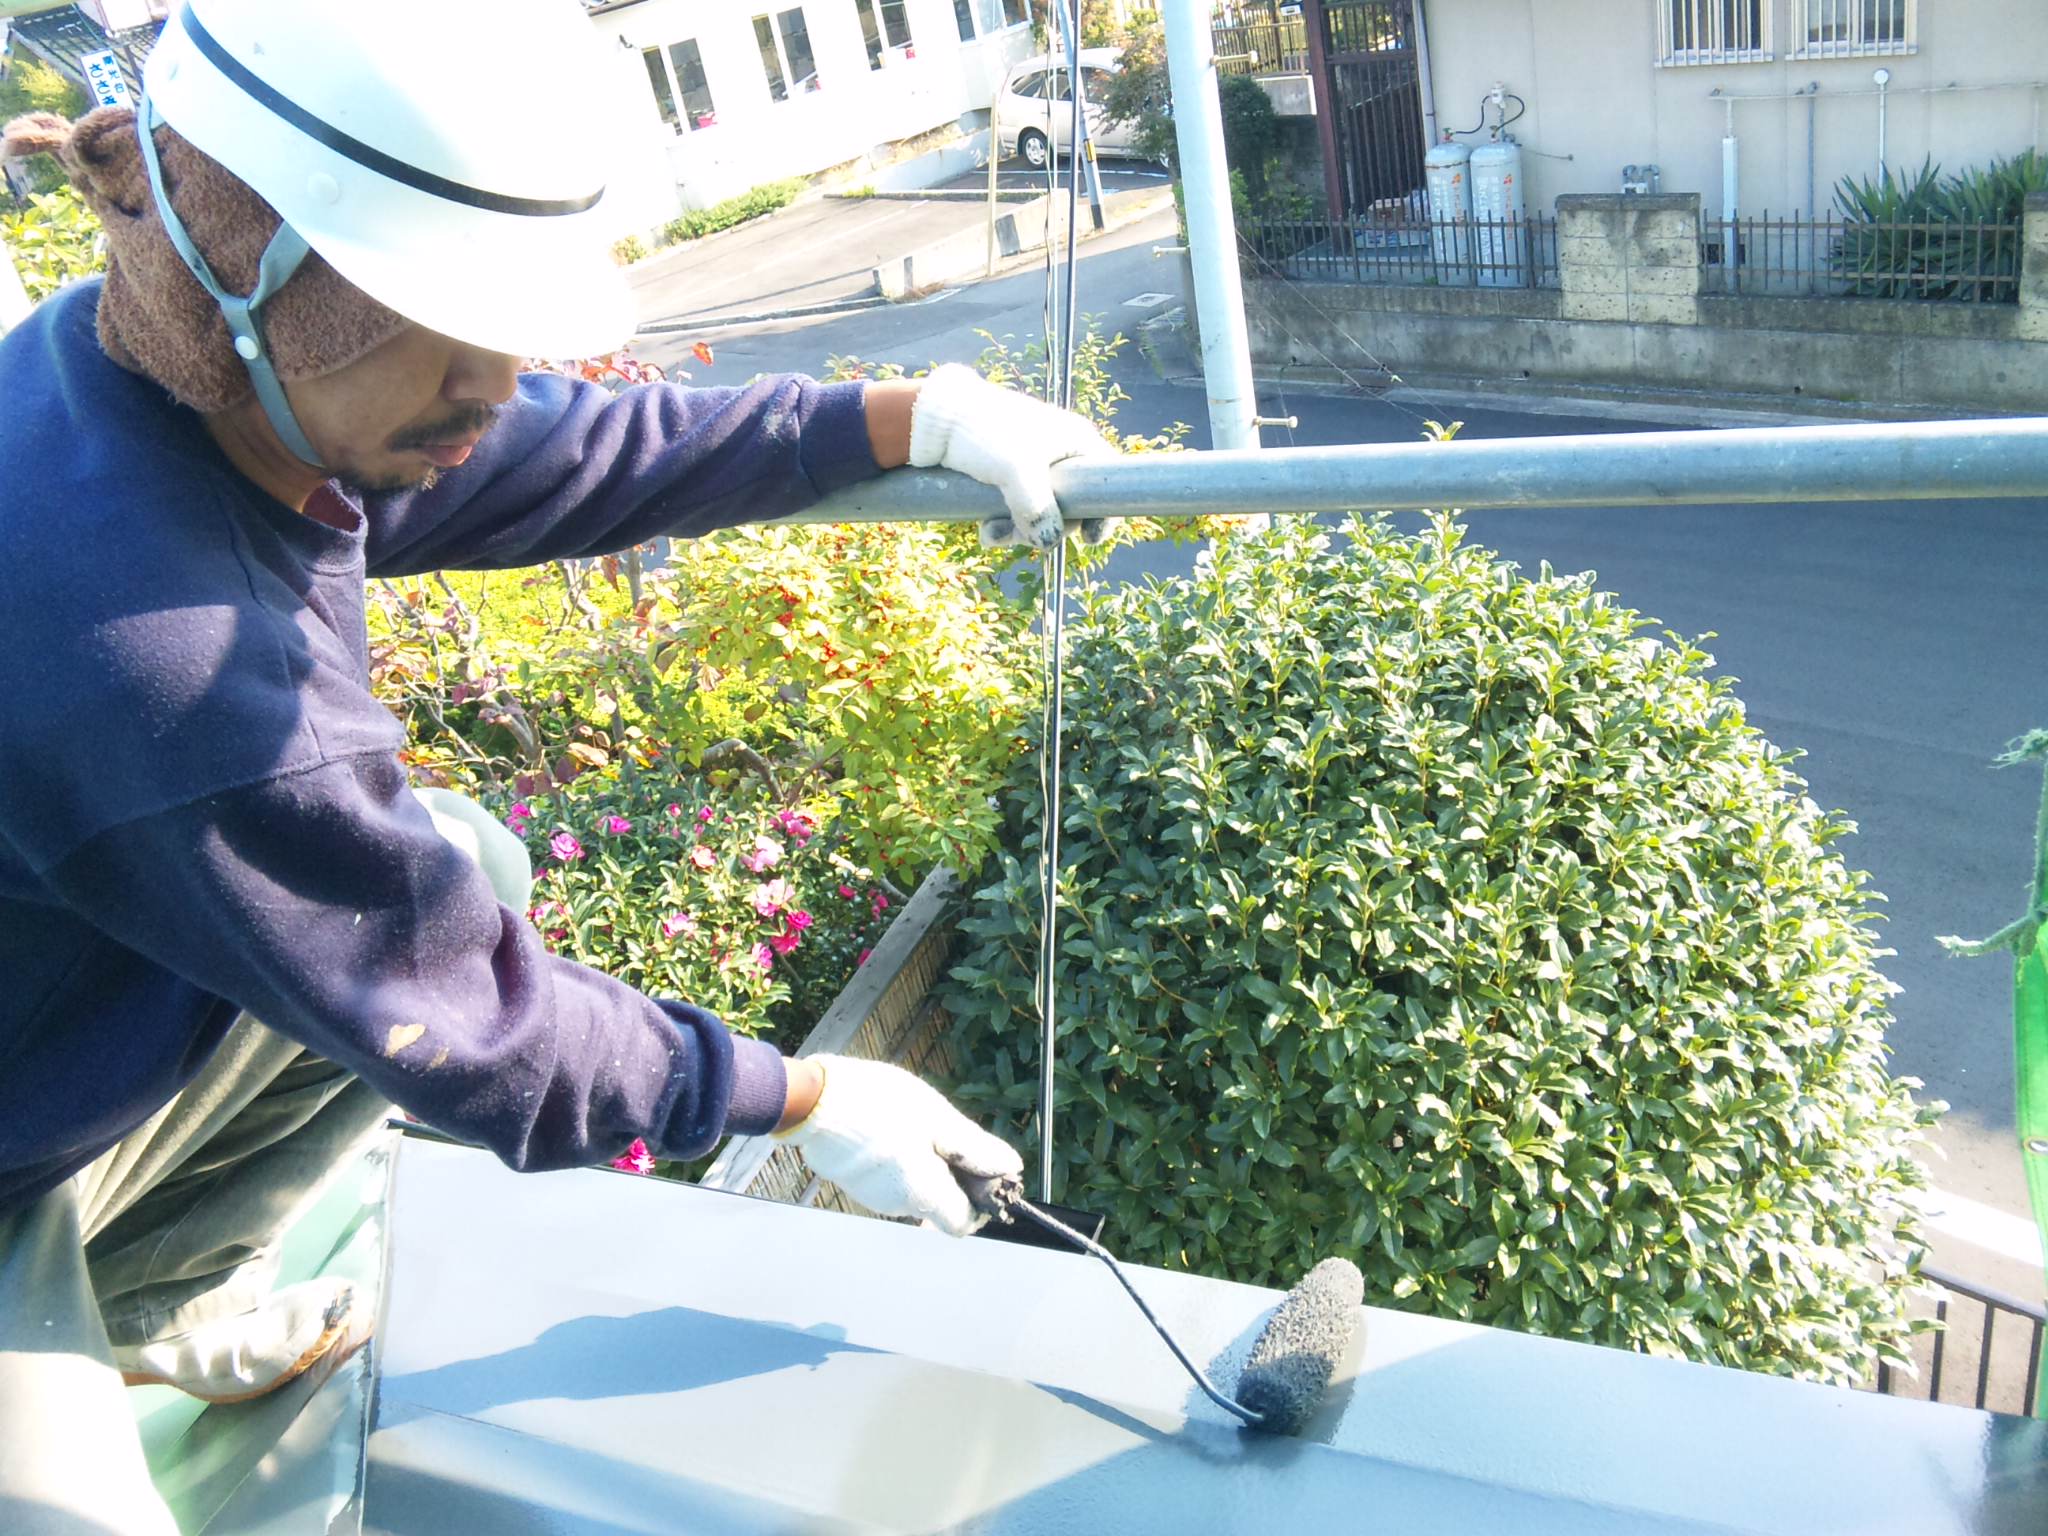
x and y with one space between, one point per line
154 317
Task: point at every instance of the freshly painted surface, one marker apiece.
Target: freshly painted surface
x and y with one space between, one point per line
589 1352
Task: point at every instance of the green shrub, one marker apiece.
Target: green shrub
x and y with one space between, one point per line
734 210
1426 914
629 249
33 86
54 238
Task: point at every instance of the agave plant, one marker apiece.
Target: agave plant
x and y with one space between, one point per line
1923 235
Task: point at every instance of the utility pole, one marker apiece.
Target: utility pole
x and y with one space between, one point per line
1212 234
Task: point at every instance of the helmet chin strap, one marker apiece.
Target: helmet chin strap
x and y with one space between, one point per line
281 259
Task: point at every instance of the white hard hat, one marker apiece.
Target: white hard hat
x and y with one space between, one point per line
419 146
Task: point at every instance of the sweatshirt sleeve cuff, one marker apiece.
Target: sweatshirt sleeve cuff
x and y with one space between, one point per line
836 450
760 1088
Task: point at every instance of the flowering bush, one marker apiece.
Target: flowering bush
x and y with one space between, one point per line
745 906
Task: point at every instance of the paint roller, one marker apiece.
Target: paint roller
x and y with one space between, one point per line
1291 1361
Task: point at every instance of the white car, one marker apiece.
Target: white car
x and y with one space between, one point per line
1036 85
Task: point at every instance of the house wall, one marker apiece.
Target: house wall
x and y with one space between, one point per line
1588 73
660 172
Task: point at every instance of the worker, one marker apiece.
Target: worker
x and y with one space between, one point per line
232 934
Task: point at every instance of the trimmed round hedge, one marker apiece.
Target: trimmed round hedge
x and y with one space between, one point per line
1420 912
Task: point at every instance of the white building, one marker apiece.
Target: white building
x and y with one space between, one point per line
716 96
1616 82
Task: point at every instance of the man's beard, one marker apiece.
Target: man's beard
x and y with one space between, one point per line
472 422
360 485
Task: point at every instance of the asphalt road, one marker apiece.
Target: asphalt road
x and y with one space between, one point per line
1898 645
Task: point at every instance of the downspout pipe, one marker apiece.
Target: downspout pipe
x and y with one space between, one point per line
1883 77
1422 71
1731 186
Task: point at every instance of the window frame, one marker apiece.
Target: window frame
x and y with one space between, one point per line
671 97
770 49
1808 16
808 82
1715 20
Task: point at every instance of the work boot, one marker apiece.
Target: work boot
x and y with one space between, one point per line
310 1328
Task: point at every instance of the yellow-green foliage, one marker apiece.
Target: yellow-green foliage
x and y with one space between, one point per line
30 85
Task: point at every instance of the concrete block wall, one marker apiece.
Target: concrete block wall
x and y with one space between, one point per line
2034 270
1630 317
1632 259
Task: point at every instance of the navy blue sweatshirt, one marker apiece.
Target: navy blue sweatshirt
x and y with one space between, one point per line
201 807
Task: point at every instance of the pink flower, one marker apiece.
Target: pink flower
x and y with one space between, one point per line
863 960
796 825
764 957
703 857
678 923
617 826
772 896
703 813
799 921
563 845
783 943
671 810
847 892
635 1159
518 817
878 903
766 855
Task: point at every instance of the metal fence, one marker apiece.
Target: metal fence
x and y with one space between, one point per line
1854 258
1278 47
1405 246
2001 1366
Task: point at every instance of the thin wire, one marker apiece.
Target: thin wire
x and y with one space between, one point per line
1088 1245
1059 382
1379 392
1052 631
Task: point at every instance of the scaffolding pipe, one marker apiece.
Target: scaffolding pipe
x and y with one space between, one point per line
1747 465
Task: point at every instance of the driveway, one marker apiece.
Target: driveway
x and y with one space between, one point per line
823 251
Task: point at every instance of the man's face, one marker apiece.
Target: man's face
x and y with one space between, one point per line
397 416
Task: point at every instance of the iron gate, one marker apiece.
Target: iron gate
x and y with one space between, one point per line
1374 92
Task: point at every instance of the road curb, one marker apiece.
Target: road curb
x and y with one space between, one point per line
962 256
684 324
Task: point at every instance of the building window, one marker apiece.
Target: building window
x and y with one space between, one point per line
963 18
1713 31
771 60
1847 29
870 31
998 14
664 95
698 110
789 59
678 77
885 24
796 48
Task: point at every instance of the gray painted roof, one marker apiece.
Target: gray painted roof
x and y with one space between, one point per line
588 1352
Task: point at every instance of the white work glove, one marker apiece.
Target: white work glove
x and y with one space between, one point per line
891 1141
1004 439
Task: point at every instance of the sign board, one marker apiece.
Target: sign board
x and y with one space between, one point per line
103 79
